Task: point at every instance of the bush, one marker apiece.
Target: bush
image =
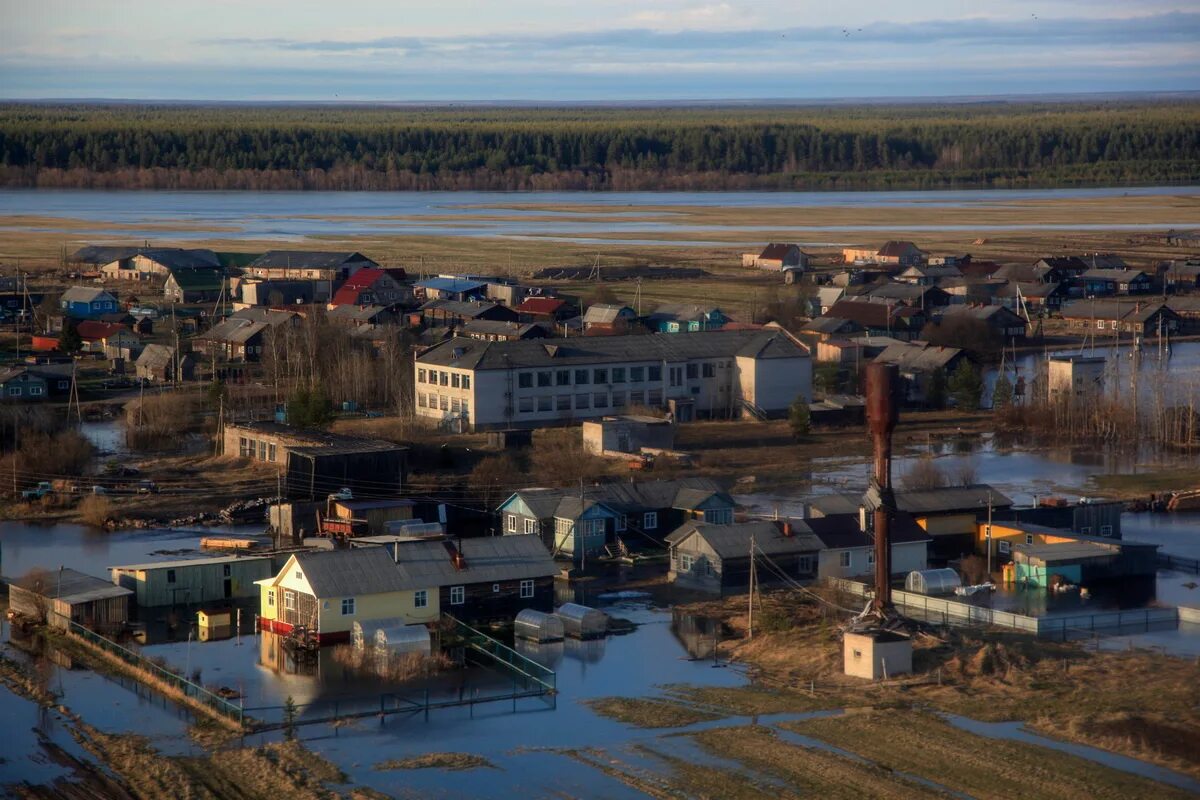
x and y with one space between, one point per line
95 510
157 420
310 408
800 418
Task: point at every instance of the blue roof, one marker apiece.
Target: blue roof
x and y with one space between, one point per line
451 284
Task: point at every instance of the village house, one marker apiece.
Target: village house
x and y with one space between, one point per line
477 580
193 285
453 313
35 383
528 384
498 331
510 293
195 580
716 558
1074 378
918 362
95 334
1052 269
1035 296
777 257
1003 324
872 318
609 318
1105 282
545 309
372 286
143 263
83 302
359 316
905 254
980 291
916 295
824 299
683 317
255 292
848 544
636 512
308 265
1188 309
1140 317
948 515
927 274
125 345
158 363
316 463
59 597
451 287
1182 275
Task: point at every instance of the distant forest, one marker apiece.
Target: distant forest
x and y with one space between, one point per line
869 146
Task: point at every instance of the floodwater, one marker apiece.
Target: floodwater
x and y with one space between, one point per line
297 215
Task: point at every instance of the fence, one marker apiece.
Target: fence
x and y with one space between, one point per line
947 611
523 669
192 690
1168 561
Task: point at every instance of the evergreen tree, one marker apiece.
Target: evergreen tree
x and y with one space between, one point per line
1002 395
70 341
800 418
966 386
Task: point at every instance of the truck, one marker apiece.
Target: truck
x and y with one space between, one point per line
38 492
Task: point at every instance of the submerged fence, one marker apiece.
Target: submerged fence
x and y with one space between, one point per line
522 668
954 611
1181 563
188 688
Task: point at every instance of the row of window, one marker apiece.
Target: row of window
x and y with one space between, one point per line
588 400
457 405
563 526
257 449
603 376
435 377
458 596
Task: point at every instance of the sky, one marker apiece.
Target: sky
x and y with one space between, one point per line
591 50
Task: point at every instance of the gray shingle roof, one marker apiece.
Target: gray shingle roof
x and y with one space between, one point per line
360 571
465 353
733 541
85 294
308 259
920 356
623 497
1118 275
604 313
841 531
920 501
70 586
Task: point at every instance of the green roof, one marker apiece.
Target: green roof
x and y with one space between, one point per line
236 259
197 279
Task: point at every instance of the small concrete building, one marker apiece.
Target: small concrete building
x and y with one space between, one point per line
876 655
627 434
196 580
54 596
1073 378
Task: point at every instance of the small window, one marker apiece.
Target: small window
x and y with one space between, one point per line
458 595
289 600
466 381
650 520
844 558
420 598
495 588
454 380
512 523
544 403
600 376
525 380
685 562
563 402
1106 530
1029 538
871 558
299 575
270 597
543 378
618 375
420 376
654 373
562 377
525 405
1004 546
583 400
693 371
227 569
581 376
637 398
637 374
619 525
347 606
1086 530
170 576
526 589
35 390
445 378
530 526
804 565
600 399
710 369
618 399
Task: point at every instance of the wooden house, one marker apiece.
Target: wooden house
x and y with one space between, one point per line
1106 282
56 596
776 256
196 580
716 558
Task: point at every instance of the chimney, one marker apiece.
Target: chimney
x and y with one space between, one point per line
786 528
882 405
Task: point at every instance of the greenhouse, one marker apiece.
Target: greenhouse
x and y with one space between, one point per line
932 581
538 626
582 622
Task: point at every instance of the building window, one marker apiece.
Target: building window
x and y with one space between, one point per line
458 595
495 588
719 516
170 576
654 373
420 376
35 390
444 401
1106 530
262 450
512 523
618 375
347 606
583 401
543 403
581 376
600 376
685 562
844 558
525 405
804 565
270 598
650 520
466 381
14 391
299 575
870 558
531 526
455 405
454 380
271 452
637 374
1003 546
618 399
693 371
562 377
637 398
563 402
619 525
543 378
420 399
1029 538
600 399
289 600
525 380
654 397
420 598
710 369
526 589
227 570
444 378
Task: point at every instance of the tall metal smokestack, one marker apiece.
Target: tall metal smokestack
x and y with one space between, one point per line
882 413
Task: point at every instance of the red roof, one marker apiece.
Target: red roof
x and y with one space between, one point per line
91 331
540 305
363 279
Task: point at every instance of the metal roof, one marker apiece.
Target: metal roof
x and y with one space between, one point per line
85 294
188 562
360 571
486 559
842 531
307 259
1067 551
920 356
70 586
464 353
921 501
733 541
451 284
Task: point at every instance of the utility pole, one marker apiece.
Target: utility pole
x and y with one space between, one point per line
578 527
753 581
989 536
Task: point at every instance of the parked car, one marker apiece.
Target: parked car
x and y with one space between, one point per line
147 487
38 492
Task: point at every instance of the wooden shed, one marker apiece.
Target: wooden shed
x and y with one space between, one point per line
195 580
54 596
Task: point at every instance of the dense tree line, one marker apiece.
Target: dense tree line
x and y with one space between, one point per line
785 147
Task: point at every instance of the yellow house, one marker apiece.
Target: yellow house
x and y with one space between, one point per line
1006 535
328 591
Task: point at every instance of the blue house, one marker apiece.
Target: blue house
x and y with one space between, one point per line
452 288
677 317
1104 282
80 302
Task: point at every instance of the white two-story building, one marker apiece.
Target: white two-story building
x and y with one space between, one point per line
479 385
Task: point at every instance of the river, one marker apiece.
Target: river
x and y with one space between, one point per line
137 215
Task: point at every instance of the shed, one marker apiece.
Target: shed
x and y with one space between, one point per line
932 581
538 626
582 622
396 638
195 580
877 654
56 596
